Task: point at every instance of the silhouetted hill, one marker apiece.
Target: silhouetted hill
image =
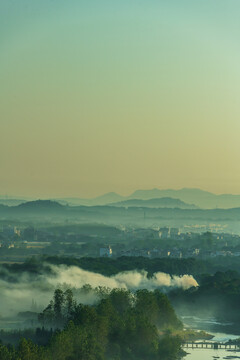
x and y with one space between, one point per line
165 202
12 202
200 198
40 205
105 199
132 216
203 199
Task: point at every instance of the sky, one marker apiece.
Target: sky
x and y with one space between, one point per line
106 95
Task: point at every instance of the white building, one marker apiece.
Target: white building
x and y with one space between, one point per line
106 252
164 233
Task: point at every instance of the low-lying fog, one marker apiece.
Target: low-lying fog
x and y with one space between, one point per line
19 290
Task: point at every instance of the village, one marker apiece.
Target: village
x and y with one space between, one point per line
17 243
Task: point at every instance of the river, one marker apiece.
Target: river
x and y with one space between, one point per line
210 325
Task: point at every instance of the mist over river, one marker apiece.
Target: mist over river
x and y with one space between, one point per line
209 324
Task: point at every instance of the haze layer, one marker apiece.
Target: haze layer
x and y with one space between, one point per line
103 96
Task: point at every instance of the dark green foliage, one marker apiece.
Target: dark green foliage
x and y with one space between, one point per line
59 310
110 266
169 348
58 306
121 326
40 336
218 294
5 353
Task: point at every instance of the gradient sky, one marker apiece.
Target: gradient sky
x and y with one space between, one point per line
101 96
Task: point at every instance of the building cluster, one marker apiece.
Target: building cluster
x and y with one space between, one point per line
170 233
155 242
175 253
10 231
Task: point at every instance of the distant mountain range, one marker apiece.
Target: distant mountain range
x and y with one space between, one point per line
185 198
200 198
165 202
105 199
47 211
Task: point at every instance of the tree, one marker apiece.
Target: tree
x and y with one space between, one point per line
27 350
146 304
169 348
58 306
5 353
69 304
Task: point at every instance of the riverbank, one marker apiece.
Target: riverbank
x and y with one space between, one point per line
193 335
207 325
211 325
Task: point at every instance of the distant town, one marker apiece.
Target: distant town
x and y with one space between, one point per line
18 243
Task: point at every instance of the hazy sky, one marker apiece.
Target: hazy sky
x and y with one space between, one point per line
117 95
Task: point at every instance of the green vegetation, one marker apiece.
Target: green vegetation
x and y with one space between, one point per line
218 294
193 335
111 266
120 326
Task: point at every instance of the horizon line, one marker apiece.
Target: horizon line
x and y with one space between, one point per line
23 197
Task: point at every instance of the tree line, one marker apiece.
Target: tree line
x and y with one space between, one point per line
120 326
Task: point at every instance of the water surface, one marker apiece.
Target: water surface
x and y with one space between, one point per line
212 354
